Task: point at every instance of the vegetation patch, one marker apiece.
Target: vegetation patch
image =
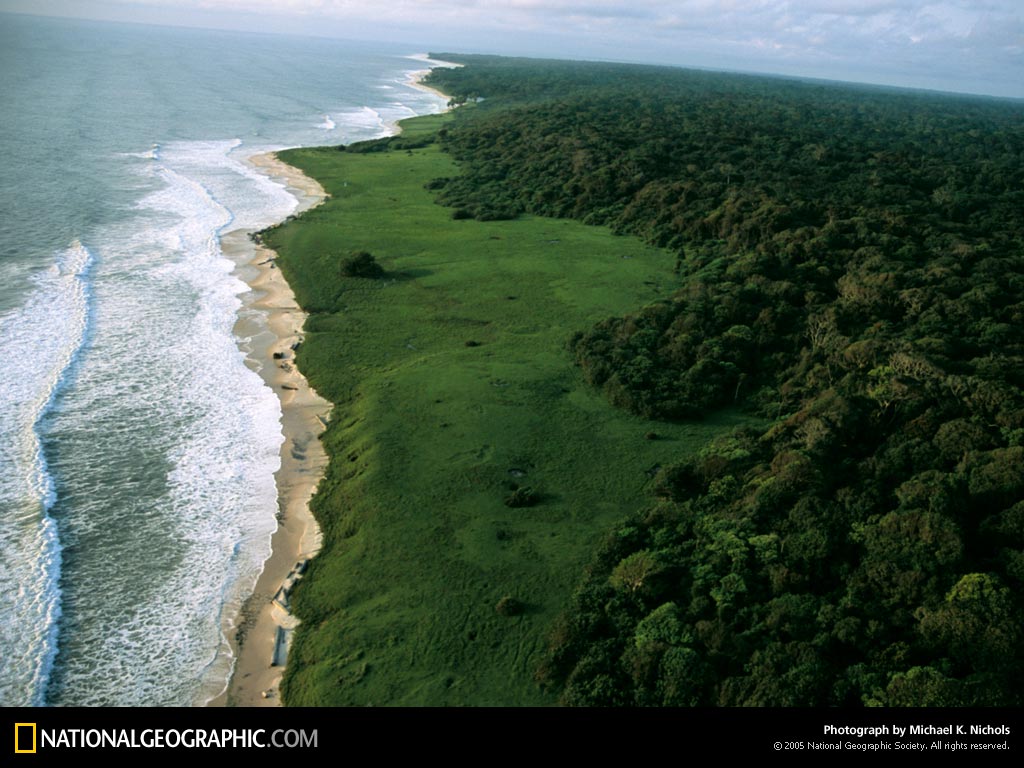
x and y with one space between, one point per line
361 264
851 267
841 265
428 431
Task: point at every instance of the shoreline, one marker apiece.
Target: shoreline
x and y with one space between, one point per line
415 79
271 322
263 623
424 550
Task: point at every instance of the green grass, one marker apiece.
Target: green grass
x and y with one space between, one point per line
428 433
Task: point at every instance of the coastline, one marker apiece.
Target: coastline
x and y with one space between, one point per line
422 550
273 323
263 622
415 79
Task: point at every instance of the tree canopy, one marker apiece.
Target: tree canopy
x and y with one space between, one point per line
851 268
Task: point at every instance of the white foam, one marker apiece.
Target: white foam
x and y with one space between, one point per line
39 344
162 413
153 153
363 123
424 100
169 301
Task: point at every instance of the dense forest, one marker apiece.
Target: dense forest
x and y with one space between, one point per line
850 267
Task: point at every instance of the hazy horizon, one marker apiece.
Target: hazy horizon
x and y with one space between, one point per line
951 45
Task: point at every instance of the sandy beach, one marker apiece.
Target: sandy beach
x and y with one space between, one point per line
273 322
416 78
274 331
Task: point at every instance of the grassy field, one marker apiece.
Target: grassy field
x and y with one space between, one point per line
452 383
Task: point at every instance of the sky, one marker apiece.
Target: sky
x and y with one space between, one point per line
970 46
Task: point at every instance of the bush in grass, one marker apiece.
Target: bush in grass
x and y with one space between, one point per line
509 606
361 264
522 497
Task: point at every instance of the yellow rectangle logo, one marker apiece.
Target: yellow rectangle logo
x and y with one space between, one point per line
20 735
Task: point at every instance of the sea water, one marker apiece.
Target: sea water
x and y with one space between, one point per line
137 448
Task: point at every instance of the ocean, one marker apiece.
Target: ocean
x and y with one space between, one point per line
137 443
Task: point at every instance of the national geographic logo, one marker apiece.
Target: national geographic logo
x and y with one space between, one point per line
28 738
24 738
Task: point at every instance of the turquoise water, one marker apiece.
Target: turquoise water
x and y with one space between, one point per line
137 496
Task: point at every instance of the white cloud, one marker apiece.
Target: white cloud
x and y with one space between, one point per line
922 42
